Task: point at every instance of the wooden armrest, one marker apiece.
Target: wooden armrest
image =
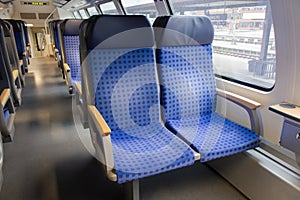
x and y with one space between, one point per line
15 74
248 103
78 88
66 67
4 96
24 53
98 120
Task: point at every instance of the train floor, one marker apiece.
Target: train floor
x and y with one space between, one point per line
48 161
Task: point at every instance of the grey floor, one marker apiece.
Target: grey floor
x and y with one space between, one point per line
47 159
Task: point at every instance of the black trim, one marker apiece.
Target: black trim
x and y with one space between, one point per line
284 114
245 83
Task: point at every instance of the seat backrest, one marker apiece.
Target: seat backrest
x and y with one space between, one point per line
25 32
69 35
56 35
4 81
184 57
19 36
11 44
14 84
121 71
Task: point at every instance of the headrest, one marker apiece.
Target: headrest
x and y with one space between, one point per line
118 31
183 30
70 27
17 26
6 26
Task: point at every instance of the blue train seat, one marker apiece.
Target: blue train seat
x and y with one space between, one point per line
20 41
189 94
57 48
27 42
7 110
12 51
123 101
81 89
69 40
12 70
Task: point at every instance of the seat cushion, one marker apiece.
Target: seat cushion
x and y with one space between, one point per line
136 156
214 136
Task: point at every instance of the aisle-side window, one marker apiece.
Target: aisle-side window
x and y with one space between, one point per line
244 43
83 14
76 15
141 7
92 11
109 8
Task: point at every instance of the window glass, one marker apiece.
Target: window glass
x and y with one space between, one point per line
244 43
141 7
92 11
76 15
83 14
109 8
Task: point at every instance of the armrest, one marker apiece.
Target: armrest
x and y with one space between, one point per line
243 101
103 128
98 120
24 53
20 62
15 74
66 67
249 105
4 96
78 88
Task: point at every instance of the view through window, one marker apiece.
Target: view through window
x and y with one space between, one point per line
141 7
92 11
244 43
76 15
83 14
109 8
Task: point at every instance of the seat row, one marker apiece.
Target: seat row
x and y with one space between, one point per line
14 60
149 95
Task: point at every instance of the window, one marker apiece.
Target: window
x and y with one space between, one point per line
83 14
92 11
244 43
109 8
76 15
141 7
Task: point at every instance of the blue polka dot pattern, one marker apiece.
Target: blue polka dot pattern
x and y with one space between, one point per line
71 44
189 99
216 136
194 65
126 94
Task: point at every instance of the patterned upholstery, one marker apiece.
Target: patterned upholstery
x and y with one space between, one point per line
71 46
126 94
188 94
216 136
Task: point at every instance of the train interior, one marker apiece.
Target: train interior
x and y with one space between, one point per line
149 99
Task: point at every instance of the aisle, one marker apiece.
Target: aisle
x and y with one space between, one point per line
47 161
